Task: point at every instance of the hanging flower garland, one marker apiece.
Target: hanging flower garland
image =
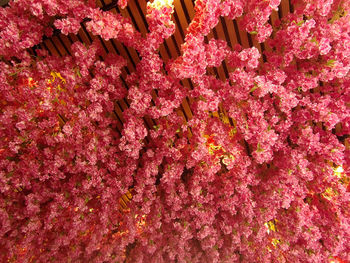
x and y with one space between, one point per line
266 180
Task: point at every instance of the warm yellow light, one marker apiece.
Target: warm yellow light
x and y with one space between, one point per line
270 226
329 193
227 159
338 171
267 228
158 4
275 241
55 75
212 148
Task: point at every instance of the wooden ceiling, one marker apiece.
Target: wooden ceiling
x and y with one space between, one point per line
228 30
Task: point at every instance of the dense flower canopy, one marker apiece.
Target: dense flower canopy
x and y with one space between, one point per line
266 180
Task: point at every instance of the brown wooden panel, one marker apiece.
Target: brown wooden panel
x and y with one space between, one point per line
243 34
231 32
285 7
48 44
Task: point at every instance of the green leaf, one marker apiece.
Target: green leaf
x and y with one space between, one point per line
77 71
259 149
314 40
253 32
254 88
300 23
330 63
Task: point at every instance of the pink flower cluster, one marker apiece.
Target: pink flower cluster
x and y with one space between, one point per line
259 173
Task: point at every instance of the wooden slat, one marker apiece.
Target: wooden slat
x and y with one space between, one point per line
50 46
228 25
285 7
242 33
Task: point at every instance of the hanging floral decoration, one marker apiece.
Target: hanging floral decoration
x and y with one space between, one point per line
259 173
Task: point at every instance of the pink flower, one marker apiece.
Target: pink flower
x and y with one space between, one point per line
123 3
170 162
68 25
21 125
324 46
